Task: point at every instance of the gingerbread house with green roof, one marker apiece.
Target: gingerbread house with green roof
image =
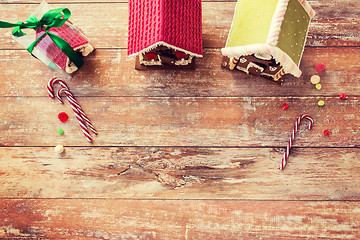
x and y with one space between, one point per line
267 37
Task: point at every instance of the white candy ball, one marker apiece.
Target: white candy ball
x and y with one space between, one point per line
59 149
315 79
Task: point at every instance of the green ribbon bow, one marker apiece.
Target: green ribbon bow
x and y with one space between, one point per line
52 18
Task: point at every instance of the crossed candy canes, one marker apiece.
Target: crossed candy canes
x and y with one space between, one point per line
79 113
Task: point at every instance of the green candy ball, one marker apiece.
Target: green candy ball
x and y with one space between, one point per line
60 131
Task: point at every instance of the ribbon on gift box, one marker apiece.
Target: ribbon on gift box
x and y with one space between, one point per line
52 18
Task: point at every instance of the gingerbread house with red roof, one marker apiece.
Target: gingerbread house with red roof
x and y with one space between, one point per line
165 32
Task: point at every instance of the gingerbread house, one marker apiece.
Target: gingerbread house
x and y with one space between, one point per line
267 37
165 33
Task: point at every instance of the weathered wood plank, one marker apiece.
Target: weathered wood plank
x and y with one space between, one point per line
144 219
112 73
179 173
179 121
171 121
110 181
337 23
89 1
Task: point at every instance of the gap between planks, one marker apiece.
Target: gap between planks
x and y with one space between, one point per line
180 199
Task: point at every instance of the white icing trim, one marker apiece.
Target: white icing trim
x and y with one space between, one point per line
161 43
278 18
232 23
152 62
276 22
85 50
274 76
307 7
280 56
242 69
183 62
242 60
268 75
263 56
251 64
70 66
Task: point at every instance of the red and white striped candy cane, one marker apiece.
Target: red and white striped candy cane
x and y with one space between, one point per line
296 126
77 114
50 85
73 102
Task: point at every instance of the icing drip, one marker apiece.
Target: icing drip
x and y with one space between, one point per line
164 44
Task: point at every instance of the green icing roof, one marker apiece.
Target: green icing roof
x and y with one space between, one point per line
251 22
294 30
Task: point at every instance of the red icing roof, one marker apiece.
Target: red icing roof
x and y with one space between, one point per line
173 22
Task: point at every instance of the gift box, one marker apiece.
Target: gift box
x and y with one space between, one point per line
56 41
165 33
267 37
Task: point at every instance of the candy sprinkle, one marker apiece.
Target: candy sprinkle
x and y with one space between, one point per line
63 117
59 149
60 131
326 133
342 96
319 67
318 86
285 106
321 103
315 79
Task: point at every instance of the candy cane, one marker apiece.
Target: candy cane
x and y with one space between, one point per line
73 102
77 114
296 126
50 85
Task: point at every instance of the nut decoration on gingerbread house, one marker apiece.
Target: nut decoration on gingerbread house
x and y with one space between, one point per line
165 33
267 37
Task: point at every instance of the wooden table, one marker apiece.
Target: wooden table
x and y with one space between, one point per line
180 154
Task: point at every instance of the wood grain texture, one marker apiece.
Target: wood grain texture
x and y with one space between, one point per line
162 219
112 73
87 1
190 121
336 24
180 154
179 173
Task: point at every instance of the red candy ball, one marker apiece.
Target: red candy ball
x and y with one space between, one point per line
320 67
343 96
63 117
326 133
150 56
285 106
180 55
